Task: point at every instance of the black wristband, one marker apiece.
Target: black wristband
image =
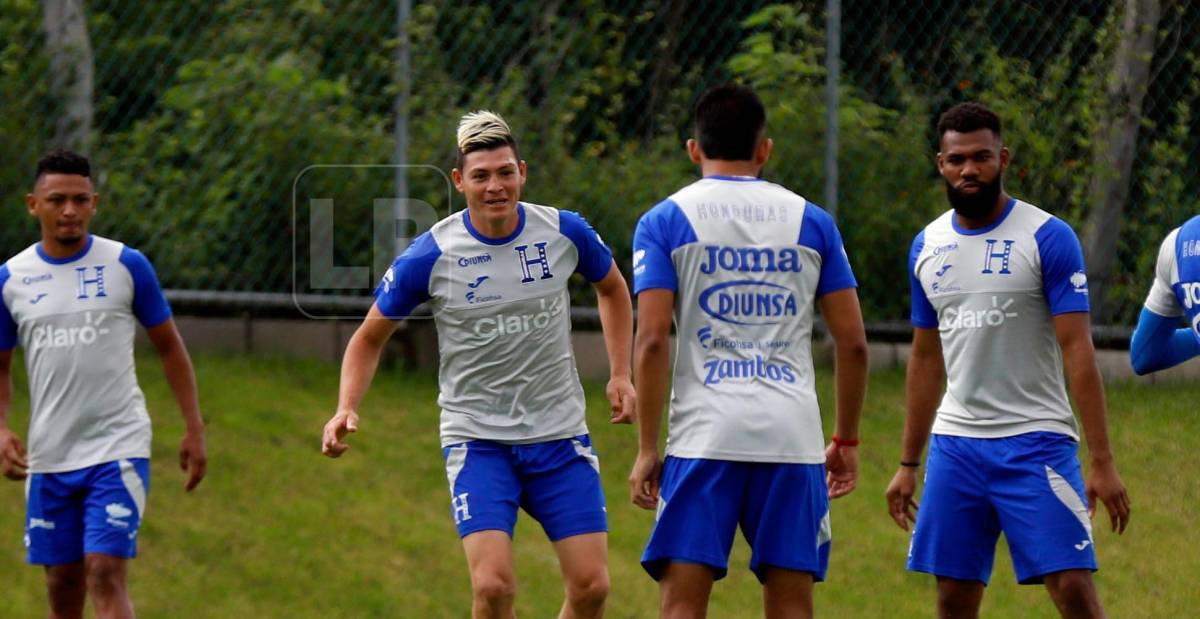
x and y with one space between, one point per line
911 465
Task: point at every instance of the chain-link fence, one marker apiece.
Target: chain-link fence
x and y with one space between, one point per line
205 120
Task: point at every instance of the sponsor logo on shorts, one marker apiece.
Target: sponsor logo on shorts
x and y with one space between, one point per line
117 513
462 509
1083 544
38 523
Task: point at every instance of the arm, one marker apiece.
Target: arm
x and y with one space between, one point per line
616 321
924 378
177 366
12 453
1158 344
1087 389
843 316
358 368
652 374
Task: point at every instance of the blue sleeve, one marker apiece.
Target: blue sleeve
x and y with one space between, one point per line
659 232
406 283
1158 344
149 303
820 233
595 258
922 314
8 327
1064 279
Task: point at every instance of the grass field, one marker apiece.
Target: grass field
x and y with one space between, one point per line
279 531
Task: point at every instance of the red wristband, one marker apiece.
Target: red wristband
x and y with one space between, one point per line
844 442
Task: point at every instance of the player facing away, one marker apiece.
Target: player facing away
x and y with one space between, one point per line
1000 309
737 263
73 302
1158 342
512 421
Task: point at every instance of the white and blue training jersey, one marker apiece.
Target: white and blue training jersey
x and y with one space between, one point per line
507 369
992 293
1176 288
76 318
746 259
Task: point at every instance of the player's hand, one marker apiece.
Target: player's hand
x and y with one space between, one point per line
841 469
1104 483
623 399
12 456
342 423
193 458
644 478
900 494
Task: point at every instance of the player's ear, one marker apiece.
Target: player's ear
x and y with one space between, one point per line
31 204
95 200
693 149
1004 158
762 152
523 169
457 177
938 159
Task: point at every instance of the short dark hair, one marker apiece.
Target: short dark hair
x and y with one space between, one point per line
62 161
968 117
729 119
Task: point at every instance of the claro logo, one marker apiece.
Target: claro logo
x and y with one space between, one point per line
964 318
48 336
509 324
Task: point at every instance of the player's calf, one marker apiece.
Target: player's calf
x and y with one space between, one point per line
106 586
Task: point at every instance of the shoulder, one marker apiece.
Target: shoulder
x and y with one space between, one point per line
541 215
108 248
1050 230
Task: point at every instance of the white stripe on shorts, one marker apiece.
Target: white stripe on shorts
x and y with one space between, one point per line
455 461
1065 493
134 486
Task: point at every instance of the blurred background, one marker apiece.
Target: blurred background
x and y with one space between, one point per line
201 116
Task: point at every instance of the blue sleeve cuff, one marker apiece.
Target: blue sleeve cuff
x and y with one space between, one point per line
405 285
149 303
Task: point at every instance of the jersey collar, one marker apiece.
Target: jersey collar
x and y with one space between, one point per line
501 241
76 256
988 228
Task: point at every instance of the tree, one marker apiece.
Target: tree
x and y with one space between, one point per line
71 71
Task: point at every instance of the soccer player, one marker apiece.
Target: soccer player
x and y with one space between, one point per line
738 262
512 424
1157 342
999 285
73 301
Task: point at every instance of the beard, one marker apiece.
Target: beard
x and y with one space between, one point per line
975 205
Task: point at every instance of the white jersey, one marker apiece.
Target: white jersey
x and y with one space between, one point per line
992 293
1176 288
507 369
76 317
746 258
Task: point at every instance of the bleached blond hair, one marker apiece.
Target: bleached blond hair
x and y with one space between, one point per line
483 130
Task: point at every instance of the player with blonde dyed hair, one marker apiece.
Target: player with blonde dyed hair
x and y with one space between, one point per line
512 423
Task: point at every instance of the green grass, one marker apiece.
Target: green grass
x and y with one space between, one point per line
279 531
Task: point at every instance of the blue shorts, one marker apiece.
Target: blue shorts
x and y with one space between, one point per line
557 482
1027 486
96 510
783 510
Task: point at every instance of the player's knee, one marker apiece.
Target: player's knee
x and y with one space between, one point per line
494 588
105 576
589 592
1073 590
958 601
64 583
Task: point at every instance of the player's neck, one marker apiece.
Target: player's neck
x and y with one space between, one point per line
972 223
721 167
495 228
58 250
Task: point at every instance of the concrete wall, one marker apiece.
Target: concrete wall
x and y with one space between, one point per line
416 343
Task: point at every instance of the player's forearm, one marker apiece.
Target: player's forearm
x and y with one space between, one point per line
359 364
5 386
177 366
850 377
1158 344
651 377
923 389
1087 389
616 322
